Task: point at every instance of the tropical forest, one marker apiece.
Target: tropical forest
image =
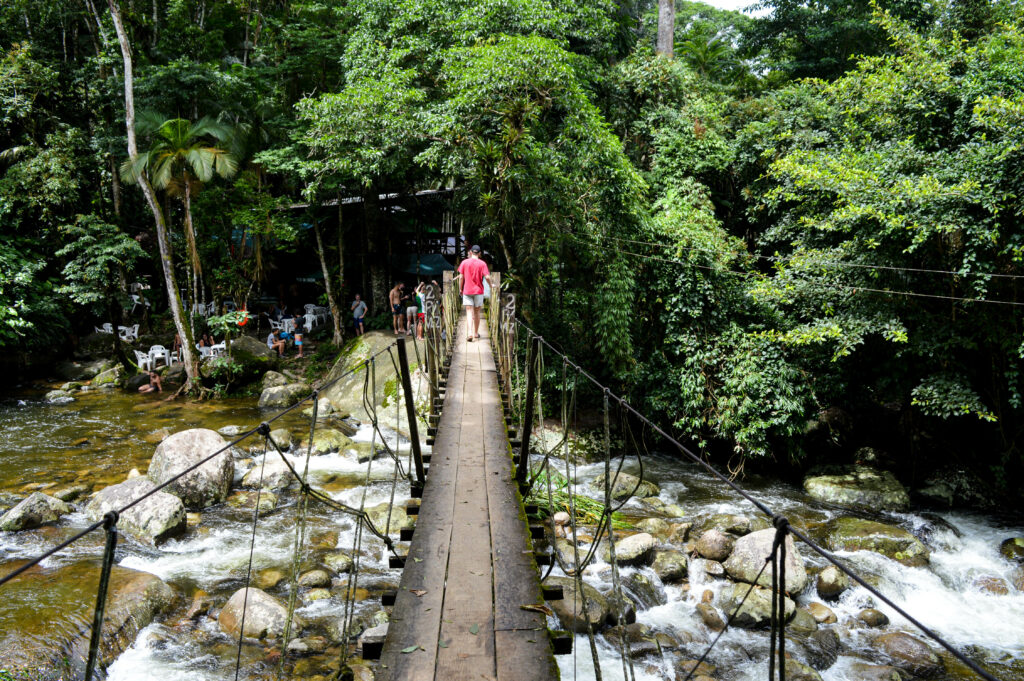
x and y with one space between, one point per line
775 247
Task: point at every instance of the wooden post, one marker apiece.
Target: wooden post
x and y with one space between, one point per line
531 388
432 368
410 410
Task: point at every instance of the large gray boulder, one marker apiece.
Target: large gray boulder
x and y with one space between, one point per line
207 485
855 534
636 549
715 545
53 643
36 510
624 484
346 390
569 608
58 397
265 616
275 475
748 556
860 486
273 379
909 653
399 519
756 611
156 519
282 396
329 440
252 356
670 565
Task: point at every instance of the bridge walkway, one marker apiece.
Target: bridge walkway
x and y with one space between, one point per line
470 565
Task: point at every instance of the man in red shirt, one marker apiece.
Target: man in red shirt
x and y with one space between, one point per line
473 270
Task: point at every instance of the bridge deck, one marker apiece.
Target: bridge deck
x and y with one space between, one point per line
470 559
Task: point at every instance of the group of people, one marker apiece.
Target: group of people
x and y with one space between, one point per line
408 307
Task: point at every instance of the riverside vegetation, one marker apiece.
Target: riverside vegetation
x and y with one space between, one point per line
797 243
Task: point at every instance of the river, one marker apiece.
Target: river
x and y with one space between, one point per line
97 439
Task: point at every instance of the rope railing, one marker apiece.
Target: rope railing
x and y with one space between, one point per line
306 494
513 339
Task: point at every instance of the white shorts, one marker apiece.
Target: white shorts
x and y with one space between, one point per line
411 310
474 300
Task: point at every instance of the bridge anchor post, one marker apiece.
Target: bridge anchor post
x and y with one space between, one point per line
410 411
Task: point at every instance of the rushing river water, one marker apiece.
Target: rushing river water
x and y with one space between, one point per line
99 438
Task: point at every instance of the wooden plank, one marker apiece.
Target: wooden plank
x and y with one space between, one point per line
467 626
524 656
416 620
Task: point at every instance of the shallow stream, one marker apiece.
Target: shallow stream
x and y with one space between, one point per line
97 439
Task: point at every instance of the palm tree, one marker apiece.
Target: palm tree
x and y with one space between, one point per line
183 156
707 55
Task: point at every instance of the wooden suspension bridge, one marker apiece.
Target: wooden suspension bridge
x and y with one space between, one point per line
470 568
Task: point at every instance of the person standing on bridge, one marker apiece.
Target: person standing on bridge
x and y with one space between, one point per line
473 270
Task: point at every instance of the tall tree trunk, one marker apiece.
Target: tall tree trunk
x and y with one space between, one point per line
115 186
156 23
339 338
379 287
198 295
666 27
189 358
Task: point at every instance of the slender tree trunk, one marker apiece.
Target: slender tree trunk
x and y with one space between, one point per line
189 358
156 23
339 338
666 27
115 186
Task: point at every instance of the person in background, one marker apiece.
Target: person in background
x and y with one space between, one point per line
275 342
206 340
358 312
154 384
411 310
473 270
298 341
395 299
420 309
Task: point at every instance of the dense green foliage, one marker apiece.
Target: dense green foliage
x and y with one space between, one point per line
812 211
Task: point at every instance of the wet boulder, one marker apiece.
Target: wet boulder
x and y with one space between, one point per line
832 582
52 607
399 518
656 527
715 545
282 437
909 653
273 379
1013 549
153 520
274 474
748 556
1017 578
110 377
263 501
862 486
265 616
329 440
861 671
36 510
338 562
872 617
58 397
624 484
756 611
206 485
855 534
636 549
642 590
669 565
710 617
252 357
730 523
798 671
569 608
821 613
822 648
84 371
315 579
283 396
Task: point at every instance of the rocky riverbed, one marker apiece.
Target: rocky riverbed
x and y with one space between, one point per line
690 551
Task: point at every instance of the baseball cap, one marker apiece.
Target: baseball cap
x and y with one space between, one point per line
476 248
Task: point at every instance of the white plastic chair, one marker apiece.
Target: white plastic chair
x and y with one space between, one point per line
144 361
288 325
218 349
160 352
128 333
204 351
310 322
279 326
104 328
309 307
137 301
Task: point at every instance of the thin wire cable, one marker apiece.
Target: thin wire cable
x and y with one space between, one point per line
825 284
265 429
244 436
838 263
683 449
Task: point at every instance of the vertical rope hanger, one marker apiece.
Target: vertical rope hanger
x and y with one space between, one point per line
264 430
110 527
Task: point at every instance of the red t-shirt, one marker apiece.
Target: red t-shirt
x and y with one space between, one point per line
473 271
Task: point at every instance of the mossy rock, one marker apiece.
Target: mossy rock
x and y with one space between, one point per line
329 440
1013 549
855 534
861 486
